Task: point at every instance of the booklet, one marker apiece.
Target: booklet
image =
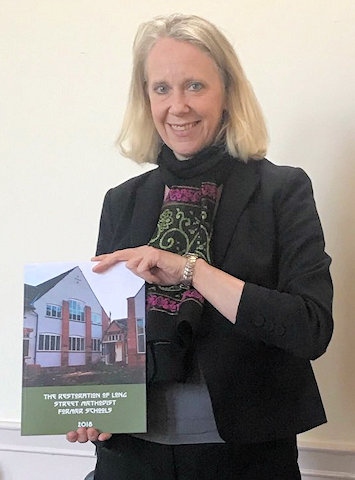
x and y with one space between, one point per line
83 349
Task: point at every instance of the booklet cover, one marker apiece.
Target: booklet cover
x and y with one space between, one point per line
83 349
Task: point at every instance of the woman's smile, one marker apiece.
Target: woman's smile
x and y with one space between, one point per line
183 127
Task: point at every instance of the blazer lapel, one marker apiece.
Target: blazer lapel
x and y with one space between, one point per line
235 195
147 207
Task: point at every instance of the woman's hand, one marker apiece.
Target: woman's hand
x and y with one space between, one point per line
157 266
152 264
83 435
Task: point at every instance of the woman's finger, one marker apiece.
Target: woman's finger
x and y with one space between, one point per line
82 435
104 436
104 262
72 436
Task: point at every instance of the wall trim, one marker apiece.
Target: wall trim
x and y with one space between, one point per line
12 441
318 460
326 460
309 445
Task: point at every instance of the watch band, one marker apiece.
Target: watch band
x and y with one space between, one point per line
189 269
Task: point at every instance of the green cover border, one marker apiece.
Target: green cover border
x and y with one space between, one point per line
42 416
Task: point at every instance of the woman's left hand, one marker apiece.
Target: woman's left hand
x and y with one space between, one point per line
152 264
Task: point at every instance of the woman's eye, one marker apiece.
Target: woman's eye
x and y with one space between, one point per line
195 86
161 89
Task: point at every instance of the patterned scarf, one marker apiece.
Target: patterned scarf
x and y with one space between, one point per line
185 225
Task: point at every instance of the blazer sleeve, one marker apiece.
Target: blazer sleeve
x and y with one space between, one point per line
106 227
116 216
297 315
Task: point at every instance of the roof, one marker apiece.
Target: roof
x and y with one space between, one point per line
34 292
115 325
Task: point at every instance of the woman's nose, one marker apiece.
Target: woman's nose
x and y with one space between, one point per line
179 104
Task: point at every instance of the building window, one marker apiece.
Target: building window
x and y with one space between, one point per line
116 337
76 310
26 344
140 335
96 345
48 342
96 318
54 311
76 344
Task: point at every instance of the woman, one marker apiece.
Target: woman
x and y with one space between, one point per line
231 248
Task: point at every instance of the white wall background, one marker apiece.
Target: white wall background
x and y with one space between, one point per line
64 72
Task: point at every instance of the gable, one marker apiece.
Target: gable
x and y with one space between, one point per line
71 285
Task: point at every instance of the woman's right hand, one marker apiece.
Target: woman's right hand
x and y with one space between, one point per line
83 435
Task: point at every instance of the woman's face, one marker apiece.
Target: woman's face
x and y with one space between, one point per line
186 95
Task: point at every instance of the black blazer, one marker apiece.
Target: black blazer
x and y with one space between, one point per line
267 232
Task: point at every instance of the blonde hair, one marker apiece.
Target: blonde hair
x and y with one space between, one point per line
243 127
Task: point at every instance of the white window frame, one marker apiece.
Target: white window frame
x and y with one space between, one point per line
53 310
46 341
76 344
76 310
140 325
96 344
